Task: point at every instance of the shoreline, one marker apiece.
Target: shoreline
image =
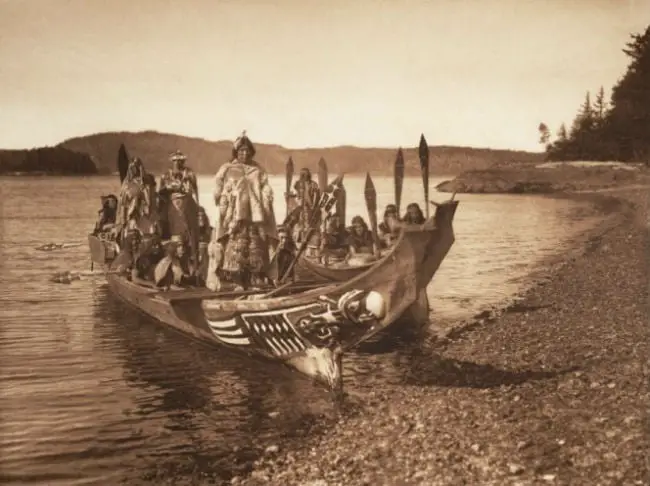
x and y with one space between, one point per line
432 428
609 207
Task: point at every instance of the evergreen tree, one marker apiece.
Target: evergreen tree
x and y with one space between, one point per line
544 134
600 107
620 129
629 120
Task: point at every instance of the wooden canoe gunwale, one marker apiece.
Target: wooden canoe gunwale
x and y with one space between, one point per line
441 220
399 277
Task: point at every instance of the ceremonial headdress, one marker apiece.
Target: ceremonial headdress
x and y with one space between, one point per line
241 141
177 156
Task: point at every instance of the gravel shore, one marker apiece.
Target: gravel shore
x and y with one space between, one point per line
553 391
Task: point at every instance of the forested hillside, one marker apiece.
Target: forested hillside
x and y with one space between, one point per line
206 156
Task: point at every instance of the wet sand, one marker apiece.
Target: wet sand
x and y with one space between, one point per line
551 391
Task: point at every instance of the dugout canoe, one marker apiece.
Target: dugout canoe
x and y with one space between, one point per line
439 233
307 326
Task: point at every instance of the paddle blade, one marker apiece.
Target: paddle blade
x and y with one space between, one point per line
423 152
370 194
371 202
122 162
338 190
399 178
322 174
341 197
289 174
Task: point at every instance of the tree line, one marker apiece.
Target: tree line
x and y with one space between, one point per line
47 160
614 129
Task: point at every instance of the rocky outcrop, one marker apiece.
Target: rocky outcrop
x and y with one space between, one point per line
533 180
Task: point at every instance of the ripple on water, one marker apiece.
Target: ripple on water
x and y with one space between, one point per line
93 393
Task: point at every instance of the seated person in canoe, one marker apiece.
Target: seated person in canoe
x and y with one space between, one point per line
413 214
179 204
125 261
175 268
150 253
139 257
334 242
246 227
285 253
361 244
106 216
389 228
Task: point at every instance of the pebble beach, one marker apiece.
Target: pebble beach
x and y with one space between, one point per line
552 390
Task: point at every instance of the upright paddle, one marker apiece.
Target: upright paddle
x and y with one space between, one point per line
370 195
341 197
327 201
423 152
289 179
122 162
399 178
322 175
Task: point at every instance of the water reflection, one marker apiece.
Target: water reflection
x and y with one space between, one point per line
88 382
201 407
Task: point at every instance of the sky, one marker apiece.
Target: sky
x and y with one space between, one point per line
306 73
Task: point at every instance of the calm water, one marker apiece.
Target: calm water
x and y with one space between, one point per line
93 393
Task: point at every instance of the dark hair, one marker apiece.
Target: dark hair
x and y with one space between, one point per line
359 220
390 209
241 142
418 219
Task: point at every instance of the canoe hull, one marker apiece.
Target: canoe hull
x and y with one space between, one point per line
308 331
102 251
438 236
232 332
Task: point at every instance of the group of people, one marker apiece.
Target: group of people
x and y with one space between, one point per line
357 241
246 248
145 214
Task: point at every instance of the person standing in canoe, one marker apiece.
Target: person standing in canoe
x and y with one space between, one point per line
246 230
179 200
134 201
205 237
306 198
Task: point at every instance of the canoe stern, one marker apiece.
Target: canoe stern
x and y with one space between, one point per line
102 251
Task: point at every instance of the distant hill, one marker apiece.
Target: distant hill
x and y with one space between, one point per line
206 156
47 161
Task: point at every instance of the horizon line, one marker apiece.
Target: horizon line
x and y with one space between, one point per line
385 147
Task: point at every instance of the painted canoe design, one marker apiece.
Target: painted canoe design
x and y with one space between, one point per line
308 329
